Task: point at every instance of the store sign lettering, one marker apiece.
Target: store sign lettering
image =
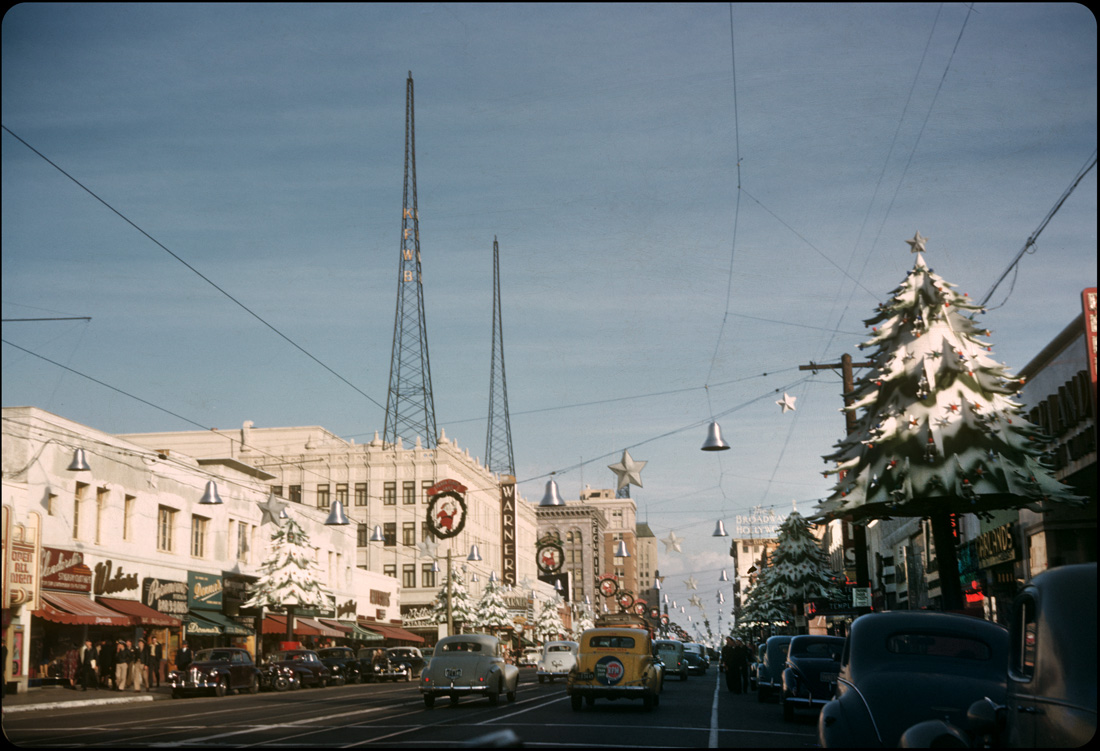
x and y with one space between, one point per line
105 584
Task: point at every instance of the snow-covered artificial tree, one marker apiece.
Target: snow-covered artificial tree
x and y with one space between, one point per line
938 433
289 575
548 625
760 609
491 614
799 570
582 622
462 607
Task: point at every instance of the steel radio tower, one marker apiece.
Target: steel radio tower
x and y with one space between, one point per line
410 410
498 435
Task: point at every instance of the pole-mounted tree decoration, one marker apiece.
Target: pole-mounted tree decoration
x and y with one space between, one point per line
462 609
761 609
491 614
548 625
288 578
799 570
938 434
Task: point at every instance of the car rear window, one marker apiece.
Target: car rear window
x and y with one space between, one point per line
558 648
938 645
817 649
462 646
612 642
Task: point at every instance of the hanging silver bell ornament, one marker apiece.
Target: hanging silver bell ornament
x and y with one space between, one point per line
621 551
552 497
714 440
723 577
719 530
475 554
337 517
79 463
210 497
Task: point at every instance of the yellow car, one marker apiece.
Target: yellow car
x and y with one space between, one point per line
615 663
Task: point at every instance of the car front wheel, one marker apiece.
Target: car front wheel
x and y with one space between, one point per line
219 688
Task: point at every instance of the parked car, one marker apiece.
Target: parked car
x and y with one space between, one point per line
615 663
305 664
218 670
754 665
343 663
530 657
671 654
410 657
427 653
769 674
942 662
696 659
376 666
809 677
468 665
556 660
1050 692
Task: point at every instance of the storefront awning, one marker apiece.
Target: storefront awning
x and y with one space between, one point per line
143 615
207 622
276 624
361 634
344 628
389 631
78 610
322 629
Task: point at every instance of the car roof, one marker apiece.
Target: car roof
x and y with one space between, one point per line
485 639
867 639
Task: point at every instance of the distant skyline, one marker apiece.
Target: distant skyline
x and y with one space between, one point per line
691 202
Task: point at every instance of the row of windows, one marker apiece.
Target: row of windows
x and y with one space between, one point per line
408 574
389 493
389 533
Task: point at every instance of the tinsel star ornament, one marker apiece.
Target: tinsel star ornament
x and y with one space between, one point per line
696 601
271 509
428 548
916 245
787 403
628 471
691 583
672 543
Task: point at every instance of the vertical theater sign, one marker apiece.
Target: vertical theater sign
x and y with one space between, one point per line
508 528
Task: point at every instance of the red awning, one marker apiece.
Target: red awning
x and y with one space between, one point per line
79 610
390 631
345 630
321 627
143 615
276 624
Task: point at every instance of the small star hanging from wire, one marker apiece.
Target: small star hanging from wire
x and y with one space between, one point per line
787 403
691 583
628 470
672 543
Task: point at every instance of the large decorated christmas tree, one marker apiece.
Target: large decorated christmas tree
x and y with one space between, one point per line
938 432
491 614
462 607
799 570
760 609
288 578
548 624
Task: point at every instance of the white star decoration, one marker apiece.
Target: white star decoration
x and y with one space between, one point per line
270 509
787 403
916 245
696 601
672 543
628 471
428 548
690 583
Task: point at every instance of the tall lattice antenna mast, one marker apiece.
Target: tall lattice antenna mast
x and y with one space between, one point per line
410 409
498 435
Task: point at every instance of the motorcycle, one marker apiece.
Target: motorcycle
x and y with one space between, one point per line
278 678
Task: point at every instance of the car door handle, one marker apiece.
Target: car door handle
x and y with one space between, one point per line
1027 710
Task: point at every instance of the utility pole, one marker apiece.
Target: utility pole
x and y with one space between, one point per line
859 532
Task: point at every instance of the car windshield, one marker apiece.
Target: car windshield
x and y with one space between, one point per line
214 655
462 646
612 642
336 652
938 645
824 650
558 648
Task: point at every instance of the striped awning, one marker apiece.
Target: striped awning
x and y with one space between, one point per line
206 622
78 610
276 624
344 628
143 615
390 631
322 629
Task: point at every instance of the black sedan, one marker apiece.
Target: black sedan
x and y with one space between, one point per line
810 674
306 666
939 662
343 663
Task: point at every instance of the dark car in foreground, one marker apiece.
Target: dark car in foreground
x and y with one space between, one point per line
343 664
903 667
696 657
813 663
769 673
305 664
219 671
1050 692
410 658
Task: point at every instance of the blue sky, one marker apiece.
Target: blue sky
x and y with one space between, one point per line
599 143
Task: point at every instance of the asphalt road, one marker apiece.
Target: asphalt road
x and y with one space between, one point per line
697 713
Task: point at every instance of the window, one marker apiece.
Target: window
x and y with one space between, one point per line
198 536
166 521
78 499
243 545
427 576
426 532
360 494
612 642
408 533
930 645
322 496
389 532
342 493
408 493
389 494
362 535
390 569
51 504
408 575
295 494
100 509
277 490
424 495
1023 631
129 503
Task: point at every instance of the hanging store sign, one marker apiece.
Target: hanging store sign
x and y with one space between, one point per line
64 571
22 560
446 508
164 596
109 580
204 591
508 529
996 546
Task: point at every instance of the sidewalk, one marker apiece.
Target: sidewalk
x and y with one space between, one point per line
57 697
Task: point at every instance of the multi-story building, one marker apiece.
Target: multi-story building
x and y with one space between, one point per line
385 487
579 529
648 564
105 539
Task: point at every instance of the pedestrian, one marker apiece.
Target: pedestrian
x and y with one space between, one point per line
741 657
71 664
137 665
88 666
122 665
183 656
106 663
726 664
154 654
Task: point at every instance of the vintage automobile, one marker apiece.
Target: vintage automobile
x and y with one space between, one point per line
375 666
671 654
343 663
409 657
810 674
530 657
468 665
1050 692
695 656
942 661
306 666
615 663
219 670
556 660
427 653
754 665
769 673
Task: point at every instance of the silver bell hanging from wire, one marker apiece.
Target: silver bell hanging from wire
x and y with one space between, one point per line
79 463
210 497
376 535
552 497
621 551
724 577
719 530
337 517
475 554
714 440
